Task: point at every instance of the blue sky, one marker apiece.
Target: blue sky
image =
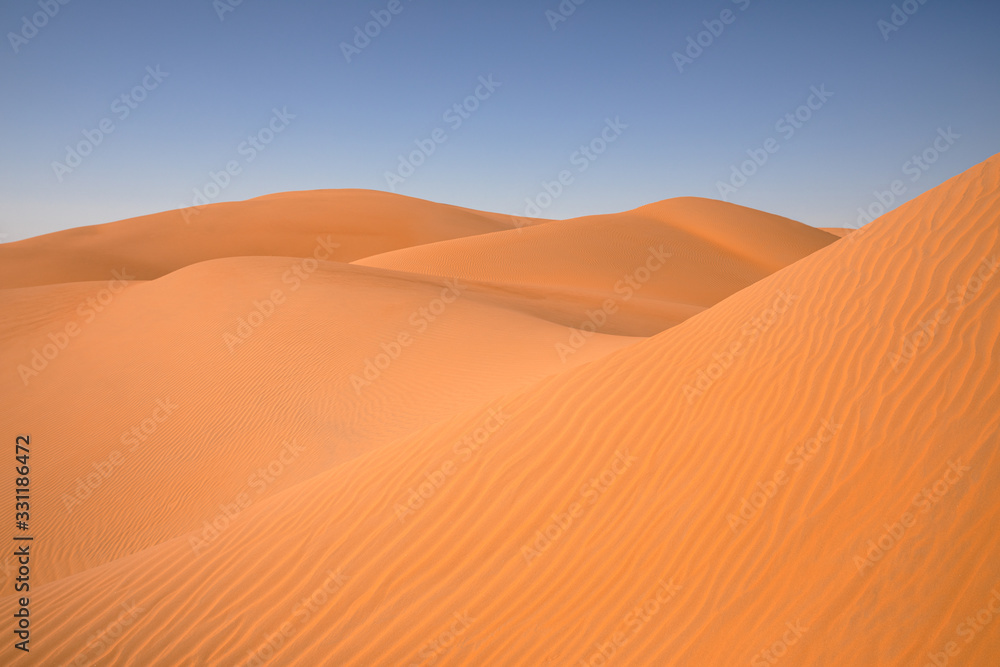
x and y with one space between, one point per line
269 91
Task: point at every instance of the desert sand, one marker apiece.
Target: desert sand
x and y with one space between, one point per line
838 231
352 428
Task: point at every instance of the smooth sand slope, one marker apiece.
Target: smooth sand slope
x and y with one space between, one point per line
361 222
196 382
171 396
697 498
690 253
171 400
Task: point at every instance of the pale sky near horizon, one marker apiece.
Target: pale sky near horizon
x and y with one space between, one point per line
118 109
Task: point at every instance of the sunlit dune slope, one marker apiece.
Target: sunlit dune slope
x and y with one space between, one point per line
232 334
361 222
687 252
167 401
768 475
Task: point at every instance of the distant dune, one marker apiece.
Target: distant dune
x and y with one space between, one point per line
779 447
361 222
691 253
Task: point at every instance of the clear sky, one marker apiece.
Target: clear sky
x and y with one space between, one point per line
118 108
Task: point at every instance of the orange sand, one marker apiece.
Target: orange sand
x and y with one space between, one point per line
573 502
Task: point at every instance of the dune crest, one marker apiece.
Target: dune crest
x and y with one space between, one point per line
333 225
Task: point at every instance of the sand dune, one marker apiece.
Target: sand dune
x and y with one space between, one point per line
807 467
691 252
360 222
205 350
375 356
